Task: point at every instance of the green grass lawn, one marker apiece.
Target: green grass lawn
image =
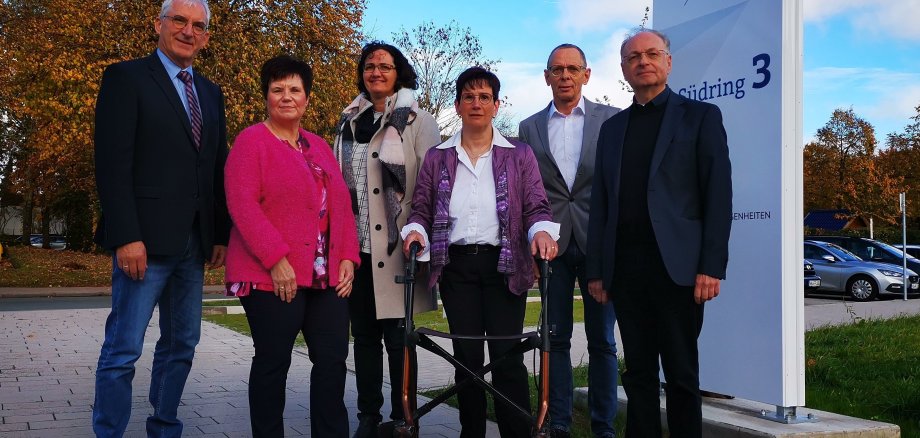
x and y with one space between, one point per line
224 303
432 319
581 420
869 370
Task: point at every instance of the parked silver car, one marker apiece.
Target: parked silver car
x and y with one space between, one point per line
842 271
912 250
812 280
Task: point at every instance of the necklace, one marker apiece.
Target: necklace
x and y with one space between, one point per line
293 144
475 150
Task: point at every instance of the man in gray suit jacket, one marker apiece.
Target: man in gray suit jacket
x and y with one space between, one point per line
563 136
658 233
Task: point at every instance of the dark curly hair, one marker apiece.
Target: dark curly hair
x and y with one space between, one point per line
405 74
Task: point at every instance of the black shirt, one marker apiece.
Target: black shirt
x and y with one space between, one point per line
634 226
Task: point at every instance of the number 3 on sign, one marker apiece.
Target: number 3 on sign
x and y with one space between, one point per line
763 70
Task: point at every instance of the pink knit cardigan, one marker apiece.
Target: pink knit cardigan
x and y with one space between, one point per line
274 202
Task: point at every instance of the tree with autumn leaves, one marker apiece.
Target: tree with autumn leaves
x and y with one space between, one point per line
844 169
54 52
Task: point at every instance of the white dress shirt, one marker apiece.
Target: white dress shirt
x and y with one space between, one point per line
566 133
473 211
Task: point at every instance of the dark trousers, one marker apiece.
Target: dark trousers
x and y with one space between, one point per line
368 331
478 302
322 317
657 318
602 347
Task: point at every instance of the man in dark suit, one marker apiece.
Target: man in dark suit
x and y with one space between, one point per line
658 233
160 151
563 136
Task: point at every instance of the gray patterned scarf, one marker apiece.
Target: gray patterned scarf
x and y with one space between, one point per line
400 112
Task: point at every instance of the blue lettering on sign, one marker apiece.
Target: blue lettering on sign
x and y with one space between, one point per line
764 70
719 88
708 89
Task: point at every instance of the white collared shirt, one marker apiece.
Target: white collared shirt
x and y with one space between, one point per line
473 212
472 202
566 133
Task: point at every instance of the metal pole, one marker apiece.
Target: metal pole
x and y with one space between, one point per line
904 278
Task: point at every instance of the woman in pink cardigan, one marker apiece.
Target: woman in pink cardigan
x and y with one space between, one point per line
292 253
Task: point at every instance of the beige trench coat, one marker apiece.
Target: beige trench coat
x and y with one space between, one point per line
419 136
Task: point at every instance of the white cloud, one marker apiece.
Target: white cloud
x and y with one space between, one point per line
578 16
528 93
887 99
820 10
523 84
905 101
896 18
606 75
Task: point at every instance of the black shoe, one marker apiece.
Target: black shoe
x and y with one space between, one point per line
558 433
367 428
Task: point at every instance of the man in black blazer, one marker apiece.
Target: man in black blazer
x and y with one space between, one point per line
658 233
563 137
160 150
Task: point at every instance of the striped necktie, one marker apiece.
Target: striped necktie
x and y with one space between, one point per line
194 112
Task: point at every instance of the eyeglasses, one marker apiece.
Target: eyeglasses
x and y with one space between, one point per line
652 55
484 99
573 70
383 68
179 22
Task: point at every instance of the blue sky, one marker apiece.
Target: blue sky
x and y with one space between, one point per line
859 53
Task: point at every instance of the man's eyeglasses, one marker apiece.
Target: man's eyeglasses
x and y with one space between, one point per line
652 55
383 68
573 70
484 99
180 22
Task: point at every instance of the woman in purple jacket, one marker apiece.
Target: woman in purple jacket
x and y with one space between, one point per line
480 199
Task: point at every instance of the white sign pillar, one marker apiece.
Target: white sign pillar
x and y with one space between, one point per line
746 57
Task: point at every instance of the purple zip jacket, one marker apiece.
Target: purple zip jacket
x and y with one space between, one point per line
526 201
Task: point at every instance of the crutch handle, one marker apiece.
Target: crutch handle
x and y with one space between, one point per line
414 248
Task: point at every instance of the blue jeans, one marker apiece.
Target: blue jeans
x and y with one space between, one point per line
602 349
174 284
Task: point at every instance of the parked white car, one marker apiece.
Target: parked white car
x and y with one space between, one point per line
57 242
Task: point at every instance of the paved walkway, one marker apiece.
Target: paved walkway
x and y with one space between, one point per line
48 360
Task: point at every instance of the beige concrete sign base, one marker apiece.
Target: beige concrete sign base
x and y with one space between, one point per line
735 418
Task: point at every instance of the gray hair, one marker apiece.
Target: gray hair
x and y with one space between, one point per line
636 32
584 60
167 4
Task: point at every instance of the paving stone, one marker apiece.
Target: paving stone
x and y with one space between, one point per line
57 424
48 374
9 427
27 418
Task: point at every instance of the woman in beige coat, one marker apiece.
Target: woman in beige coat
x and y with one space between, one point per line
382 138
